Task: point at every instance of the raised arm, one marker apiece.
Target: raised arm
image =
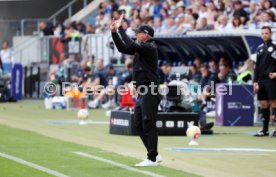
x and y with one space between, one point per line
121 46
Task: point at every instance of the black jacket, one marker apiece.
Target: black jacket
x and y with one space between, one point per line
1 64
266 61
145 57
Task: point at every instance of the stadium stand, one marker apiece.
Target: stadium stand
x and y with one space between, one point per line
185 30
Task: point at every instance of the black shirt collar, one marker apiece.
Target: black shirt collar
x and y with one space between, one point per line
268 43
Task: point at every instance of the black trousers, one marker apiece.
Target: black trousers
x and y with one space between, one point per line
145 114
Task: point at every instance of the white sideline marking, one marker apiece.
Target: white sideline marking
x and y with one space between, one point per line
222 149
77 122
117 164
32 165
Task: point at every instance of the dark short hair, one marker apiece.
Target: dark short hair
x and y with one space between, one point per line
204 66
238 2
267 27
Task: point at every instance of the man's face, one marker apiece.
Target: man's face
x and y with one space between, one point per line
238 6
223 69
204 71
99 64
42 25
203 22
5 45
266 35
141 37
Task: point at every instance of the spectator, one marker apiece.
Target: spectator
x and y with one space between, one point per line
179 21
46 29
6 53
169 26
110 91
99 66
149 21
114 6
137 4
203 26
180 10
203 12
224 61
223 24
80 27
126 7
212 13
266 19
157 8
144 13
198 62
207 77
253 12
70 33
115 15
157 25
104 7
164 14
268 6
102 21
6 57
166 6
225 74
220 6
90 29
213 66
240 12
164 71
98 83
236 23
126 73
194 74
137 22
207 80
110 72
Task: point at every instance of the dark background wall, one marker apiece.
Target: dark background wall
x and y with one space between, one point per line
30 9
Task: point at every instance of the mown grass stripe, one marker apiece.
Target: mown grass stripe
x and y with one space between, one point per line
32 165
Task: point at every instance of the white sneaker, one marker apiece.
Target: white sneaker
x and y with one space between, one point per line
211 114
146 163
109 105
159 158
93 104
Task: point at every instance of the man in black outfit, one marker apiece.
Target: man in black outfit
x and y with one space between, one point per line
264 85
146 80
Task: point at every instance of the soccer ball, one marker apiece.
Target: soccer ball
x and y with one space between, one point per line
193 132
82 114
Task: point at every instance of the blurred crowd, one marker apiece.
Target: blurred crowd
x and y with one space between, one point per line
173 16
109 78
167 17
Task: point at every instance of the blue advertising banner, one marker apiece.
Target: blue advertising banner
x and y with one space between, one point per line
16 81
234 105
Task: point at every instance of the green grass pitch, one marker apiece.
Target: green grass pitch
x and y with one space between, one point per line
25 133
